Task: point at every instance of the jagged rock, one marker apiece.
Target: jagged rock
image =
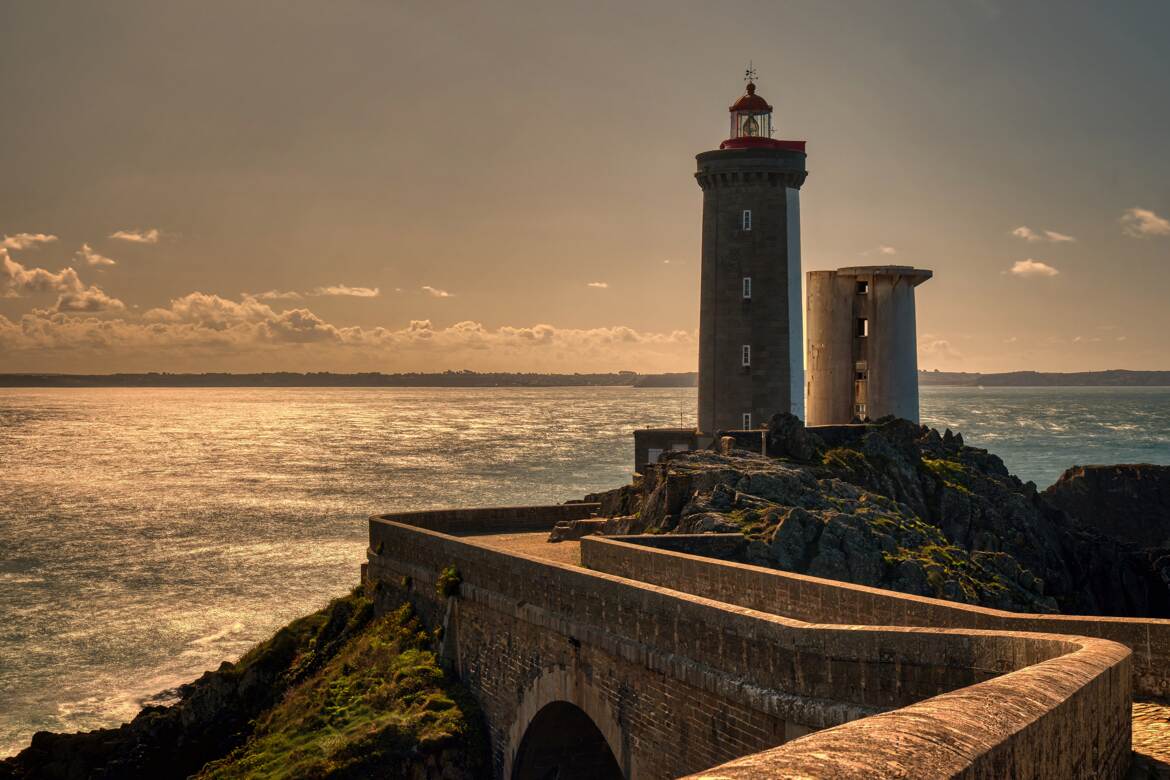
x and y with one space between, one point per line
569 530
896 505
214 714
1129 502
787 437
794 539
624 500
621 526
706 523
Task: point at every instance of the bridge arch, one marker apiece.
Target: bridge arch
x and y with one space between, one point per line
562 743
564 722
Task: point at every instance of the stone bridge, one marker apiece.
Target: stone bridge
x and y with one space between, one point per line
614 658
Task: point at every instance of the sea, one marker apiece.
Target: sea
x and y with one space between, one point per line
147 535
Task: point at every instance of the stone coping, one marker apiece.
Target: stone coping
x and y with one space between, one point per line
968 702
496 519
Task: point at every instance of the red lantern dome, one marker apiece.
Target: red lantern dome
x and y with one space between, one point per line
751 124
751 102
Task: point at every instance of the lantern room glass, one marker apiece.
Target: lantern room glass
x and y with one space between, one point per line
751 124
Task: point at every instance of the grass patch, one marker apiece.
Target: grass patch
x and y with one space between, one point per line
844 458
448 583
951 473
378 704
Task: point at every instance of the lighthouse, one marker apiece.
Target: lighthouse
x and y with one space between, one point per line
751 345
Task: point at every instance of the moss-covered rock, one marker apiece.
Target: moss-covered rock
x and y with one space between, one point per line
899 506
308 702
381 707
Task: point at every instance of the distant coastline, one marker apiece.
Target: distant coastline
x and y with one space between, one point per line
372 379
1113 378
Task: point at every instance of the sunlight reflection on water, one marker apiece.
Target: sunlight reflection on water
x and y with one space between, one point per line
149 534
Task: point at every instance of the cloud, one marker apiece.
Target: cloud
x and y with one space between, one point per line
336 290
91 257
880 249
150 236
436 292
72 294
275 295
248 319
1011 339
343 290
16 280
598 285
201 331
937 348
1029 268
1028 234
25 240
91 299
1143 223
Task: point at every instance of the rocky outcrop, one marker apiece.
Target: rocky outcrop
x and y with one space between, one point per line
1128 502
787 437
216 717
622 500
902 507
570 530
806 519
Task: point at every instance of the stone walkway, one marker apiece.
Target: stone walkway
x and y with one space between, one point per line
1151 720
534 543
1151 741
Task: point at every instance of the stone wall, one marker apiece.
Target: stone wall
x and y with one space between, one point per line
677 683
726 547
496 519
808 598
662 440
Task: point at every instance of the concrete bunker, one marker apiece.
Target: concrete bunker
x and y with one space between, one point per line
563 743
862 344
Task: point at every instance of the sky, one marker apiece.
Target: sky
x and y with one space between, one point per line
358 185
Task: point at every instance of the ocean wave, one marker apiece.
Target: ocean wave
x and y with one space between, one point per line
223 633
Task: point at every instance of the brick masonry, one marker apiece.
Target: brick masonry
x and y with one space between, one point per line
766 182
678 683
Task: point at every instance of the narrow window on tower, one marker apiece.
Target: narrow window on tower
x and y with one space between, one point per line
862 288
747 355
747 421
862 327
747 288
747 219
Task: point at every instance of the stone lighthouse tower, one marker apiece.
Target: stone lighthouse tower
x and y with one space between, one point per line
751 345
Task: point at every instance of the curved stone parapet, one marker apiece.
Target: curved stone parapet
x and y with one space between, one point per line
686 563
1067 717
677 683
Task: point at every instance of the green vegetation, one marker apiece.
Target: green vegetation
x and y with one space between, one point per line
376 708
846 459
949 471
448 583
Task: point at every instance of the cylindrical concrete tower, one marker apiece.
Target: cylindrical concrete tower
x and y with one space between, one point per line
862 344
751 342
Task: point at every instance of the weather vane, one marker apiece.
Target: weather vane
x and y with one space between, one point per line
750 73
